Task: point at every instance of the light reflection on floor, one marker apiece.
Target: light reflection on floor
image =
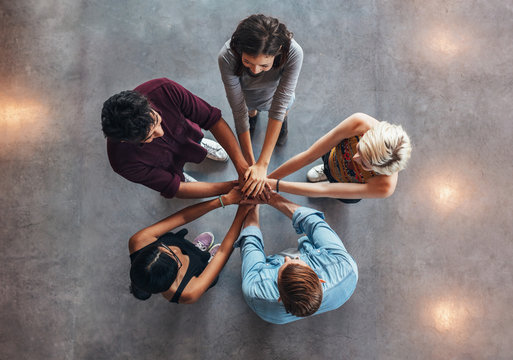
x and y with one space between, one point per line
21 117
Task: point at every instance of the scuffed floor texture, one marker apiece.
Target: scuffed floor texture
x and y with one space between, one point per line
436 275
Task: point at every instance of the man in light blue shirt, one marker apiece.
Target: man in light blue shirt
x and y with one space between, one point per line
318 276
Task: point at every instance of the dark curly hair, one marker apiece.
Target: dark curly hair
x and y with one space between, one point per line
300 290
260 34
127 116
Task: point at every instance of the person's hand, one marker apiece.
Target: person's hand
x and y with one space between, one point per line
234 196
255 180
245 209
263 198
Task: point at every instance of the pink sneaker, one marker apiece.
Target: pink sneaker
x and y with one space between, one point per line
204 241
213 251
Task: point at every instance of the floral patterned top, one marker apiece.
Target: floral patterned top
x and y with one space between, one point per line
342 167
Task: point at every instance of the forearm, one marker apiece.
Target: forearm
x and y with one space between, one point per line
253 217
182 217
292 165
226 138
201 284
246 147
194 190
271 135
283 205
330 190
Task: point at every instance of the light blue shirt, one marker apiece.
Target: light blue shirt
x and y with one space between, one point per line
320 248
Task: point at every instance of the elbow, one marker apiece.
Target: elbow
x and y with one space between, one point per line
359 122
386 190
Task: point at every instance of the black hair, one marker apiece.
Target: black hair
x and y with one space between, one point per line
260 34
139 293
152 272
127 116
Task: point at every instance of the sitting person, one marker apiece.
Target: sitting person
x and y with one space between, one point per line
318 276
154 130
166 263
362 158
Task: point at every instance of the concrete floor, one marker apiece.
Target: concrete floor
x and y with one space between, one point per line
436 275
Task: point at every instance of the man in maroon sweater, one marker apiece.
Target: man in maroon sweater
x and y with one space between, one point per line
155 129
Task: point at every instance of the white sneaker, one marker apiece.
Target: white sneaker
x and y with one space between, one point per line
316 174
214 150
189 178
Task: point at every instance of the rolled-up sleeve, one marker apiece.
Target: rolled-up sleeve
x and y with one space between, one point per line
311 223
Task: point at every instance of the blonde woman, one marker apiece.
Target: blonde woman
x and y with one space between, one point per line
362 159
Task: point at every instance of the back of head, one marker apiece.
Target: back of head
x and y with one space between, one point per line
260 34
152 271
386 148
126 116
300 290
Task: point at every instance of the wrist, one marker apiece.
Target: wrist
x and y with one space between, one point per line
273 183
222 202
262 163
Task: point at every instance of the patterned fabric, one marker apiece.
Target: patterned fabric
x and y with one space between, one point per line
341 165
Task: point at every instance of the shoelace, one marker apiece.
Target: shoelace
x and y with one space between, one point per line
201 246
208 147
320 170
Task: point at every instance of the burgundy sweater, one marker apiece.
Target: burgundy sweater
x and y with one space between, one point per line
159 164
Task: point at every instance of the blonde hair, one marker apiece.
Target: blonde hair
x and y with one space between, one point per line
386 148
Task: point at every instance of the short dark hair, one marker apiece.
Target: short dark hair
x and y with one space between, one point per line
127 116
152 271
260 34
300 290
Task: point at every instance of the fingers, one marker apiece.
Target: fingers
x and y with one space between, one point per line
247 173
247 184
252 201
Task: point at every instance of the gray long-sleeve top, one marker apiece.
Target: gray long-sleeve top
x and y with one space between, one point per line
271 89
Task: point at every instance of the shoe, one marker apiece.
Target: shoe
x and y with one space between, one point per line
252 122
282 138
189 178
214 150
204 241
213 251
316 174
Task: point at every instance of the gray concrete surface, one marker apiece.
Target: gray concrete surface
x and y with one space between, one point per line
436 276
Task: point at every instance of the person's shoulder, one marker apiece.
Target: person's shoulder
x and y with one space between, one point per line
226 54
155 84
295 48
261 282
117 148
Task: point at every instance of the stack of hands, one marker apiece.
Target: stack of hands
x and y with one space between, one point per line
254 184
237 196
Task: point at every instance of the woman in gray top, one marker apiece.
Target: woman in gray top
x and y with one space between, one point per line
259 67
